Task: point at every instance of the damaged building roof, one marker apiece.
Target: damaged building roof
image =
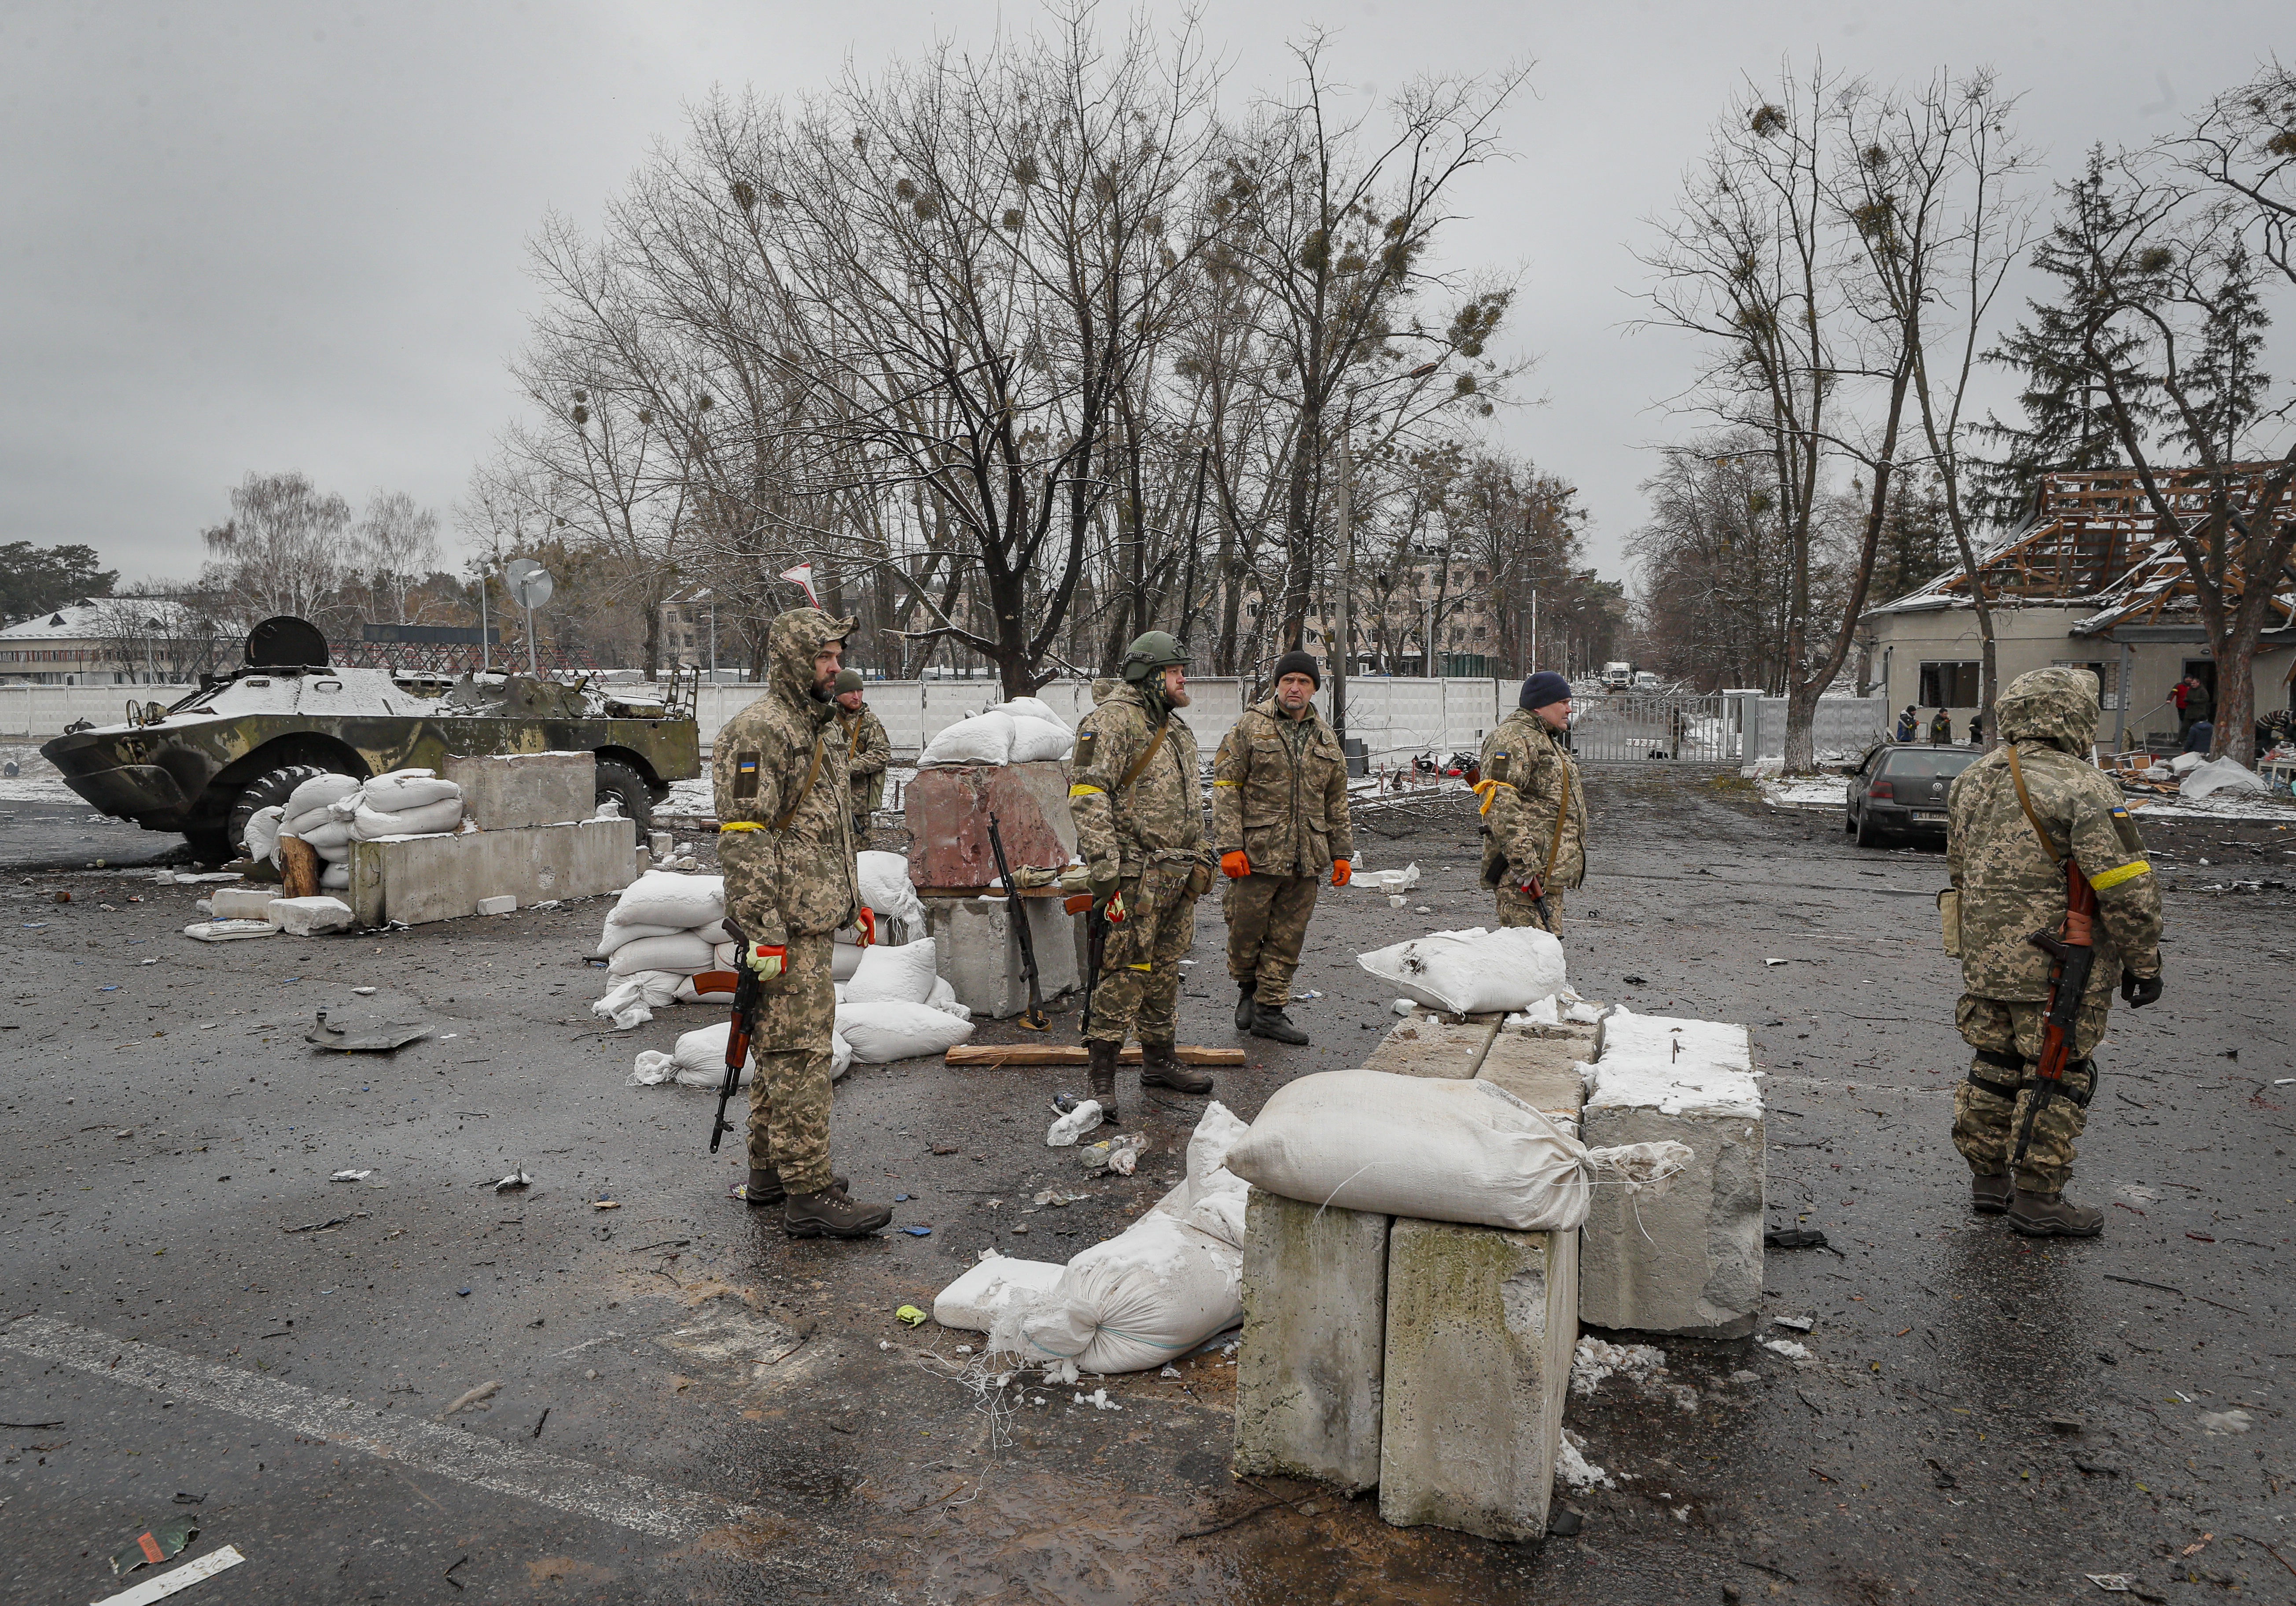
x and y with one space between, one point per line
2092 539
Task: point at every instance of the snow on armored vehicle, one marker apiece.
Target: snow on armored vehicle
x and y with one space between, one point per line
248 738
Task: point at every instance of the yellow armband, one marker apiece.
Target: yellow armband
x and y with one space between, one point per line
2120 873
741 825
1488 791
1081 790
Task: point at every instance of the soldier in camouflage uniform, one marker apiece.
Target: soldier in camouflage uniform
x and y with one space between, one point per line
1280 821
1534 812
1140 831
867 750
785 817
2008 882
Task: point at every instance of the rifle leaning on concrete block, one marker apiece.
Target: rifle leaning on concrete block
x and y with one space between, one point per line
1033 1017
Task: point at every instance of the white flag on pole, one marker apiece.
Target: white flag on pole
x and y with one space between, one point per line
802 576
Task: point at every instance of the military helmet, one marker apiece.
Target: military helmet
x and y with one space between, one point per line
1150 653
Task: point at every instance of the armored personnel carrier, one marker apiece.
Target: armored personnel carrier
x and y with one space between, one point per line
248 738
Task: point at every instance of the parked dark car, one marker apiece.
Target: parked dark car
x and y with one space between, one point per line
1900 791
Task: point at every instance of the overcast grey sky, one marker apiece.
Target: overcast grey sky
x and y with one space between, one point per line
290 235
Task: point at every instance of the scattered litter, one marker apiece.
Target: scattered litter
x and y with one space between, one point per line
182 1579
1794 1238
1596 1359
185 1499
918 1232
478 1395
1098 1400
1057 1200
350 1175
1421 909
1307 997
1169 1371
363 992
1074 1125
606 1204
155 1544
380 1038
1786 1347
2114 1583
229 931
1403 1006
1116 1154
2224 1422
516 1179
2284 1081
1798 1324
1770 962
322 1226
461 1293
911 1315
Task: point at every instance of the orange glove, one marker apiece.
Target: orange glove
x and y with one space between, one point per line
1235 866
1342 873
867 921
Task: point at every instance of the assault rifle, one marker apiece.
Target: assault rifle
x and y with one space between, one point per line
1033 1018
748 990
2072 952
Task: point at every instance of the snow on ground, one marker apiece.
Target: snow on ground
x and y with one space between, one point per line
34 789
2279 810
1805 792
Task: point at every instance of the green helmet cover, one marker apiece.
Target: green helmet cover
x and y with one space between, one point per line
1155 650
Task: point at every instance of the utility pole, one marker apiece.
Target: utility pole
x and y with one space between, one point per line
713 635
486 643
1346 511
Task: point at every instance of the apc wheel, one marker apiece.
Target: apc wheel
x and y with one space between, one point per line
269 790
210 846
626 787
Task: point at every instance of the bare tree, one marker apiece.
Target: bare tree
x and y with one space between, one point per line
394 549
284 549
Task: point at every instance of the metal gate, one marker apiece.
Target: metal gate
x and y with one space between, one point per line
1646 726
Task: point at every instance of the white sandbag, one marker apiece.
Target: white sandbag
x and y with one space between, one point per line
1432 1148
1040 740
309 916
684 953
616 936
725 955
886 887
983 739
2185 764
841 1055
261 839
844 959
943 998
715 932
883 1032
314 795
902 975
633 1000
2226 775
666 898
973 1302
700 1056
336 877
326 838
1145 1297
1029 707
431 820
405 789
1470 973
652 1068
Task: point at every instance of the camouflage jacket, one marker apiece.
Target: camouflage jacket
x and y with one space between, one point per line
1280 792
799 881
1528 781
1158 818
867 751
2009 887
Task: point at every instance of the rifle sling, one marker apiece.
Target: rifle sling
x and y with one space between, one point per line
1140 764
2025 802
812 774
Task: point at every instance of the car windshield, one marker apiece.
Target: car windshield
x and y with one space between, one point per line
1933 764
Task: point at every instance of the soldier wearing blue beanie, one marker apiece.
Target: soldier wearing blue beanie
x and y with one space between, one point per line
1534 812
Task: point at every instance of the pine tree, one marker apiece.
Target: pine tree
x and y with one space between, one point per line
2226 385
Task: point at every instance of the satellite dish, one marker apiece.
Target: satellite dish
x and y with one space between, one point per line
286 642
519 566
529 586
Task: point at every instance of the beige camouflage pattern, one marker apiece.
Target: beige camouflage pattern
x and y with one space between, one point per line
1139 987
868 749
1280 792
1266 927
799 882
1159 819
1985 1124
1516 910
2009 887
789 1091
1535 775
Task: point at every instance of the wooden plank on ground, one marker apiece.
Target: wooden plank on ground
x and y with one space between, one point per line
1061 1053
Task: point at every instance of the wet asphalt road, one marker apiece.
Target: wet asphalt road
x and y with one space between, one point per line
732 1416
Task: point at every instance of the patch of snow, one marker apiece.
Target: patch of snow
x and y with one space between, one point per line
1815 793
1786 1347
1596 1359
1574 1471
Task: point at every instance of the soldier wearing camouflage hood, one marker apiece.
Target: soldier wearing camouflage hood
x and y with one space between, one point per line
2012 818
868 749
1534 811
1140 831
785 817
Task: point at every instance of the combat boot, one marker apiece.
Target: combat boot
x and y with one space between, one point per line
2053 1216
764 1187
1244 1006
1159 1068
830 1214
1270 1021
1104 1077
1989 1194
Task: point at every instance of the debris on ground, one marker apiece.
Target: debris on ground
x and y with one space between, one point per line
911 1315
1073 1125
350 1175
1786 1347
1573 1470
1794 1238
379 1037
1596 1359
155 1544
516 1179
470 1399
1116 1154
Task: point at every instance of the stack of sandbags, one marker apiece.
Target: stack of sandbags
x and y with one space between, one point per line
1474 972
665 929
1020 730
895 1005
698 1059
403 803
309 814
261 840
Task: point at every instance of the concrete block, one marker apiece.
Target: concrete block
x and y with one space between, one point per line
310 916
947 812
504 904
1309 1370
976 950
1686 1258
1540 1070
1481 1325
417 880
1423 1044
242 903
505 791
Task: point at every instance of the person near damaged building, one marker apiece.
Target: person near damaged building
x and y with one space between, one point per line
867 749
2020 822
1534 810
785 820
1942 729
1140 831
1280 825
1909 724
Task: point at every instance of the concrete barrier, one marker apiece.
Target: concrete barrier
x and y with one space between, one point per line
1424 1044
1309 1368
504 792
976 952
412 881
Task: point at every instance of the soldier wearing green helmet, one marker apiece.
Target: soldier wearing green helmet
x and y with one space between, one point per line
1140 831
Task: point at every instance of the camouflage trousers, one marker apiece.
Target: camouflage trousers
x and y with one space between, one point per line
1139 989
1986 1123
790 1089
1516 910
1267 925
